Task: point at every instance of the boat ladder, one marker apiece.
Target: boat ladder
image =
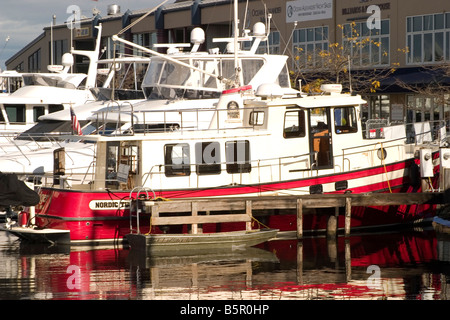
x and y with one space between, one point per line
137 206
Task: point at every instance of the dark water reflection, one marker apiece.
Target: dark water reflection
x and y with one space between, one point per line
412 265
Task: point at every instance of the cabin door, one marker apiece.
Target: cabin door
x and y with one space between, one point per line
122 164
320 138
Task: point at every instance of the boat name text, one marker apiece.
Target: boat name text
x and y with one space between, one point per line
108 204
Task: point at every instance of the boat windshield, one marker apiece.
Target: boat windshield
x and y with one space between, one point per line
68 82
48 128
168 80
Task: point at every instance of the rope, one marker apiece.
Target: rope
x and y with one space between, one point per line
385 169
259 222
131 25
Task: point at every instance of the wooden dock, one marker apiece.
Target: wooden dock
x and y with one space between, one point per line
248 205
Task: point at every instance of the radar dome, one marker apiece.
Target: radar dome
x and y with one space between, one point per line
269 90
198 35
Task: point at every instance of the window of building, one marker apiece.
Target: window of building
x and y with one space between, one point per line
271 46
177 160
109 44
294 124
34 62
345 120
238 156
422 108
428 38
308 43
145 40
367 47
208 158
378 107
20 67
60 47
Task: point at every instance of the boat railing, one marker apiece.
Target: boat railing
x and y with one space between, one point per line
180 120
415 132
274 165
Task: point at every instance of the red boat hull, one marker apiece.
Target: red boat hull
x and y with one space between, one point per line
103 215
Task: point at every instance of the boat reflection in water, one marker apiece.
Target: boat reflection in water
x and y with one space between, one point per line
407 265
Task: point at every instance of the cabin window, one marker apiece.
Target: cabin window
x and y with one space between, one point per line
177 160
257 118
294 124
16 113
37 112
55 107
345 120
238 156
208 158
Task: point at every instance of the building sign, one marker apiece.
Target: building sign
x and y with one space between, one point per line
82 32
263 12
363 9
308 10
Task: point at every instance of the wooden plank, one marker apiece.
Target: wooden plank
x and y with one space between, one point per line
277 203
391 199
204 205
157 221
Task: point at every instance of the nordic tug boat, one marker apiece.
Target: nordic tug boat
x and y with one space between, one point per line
258 143
257 139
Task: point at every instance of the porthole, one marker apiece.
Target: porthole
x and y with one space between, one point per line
382 154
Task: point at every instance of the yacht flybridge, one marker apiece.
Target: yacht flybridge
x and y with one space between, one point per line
44 93
221 125
177 81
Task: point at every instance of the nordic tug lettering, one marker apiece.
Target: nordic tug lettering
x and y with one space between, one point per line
108 204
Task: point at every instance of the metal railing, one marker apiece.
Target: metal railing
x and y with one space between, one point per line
194 119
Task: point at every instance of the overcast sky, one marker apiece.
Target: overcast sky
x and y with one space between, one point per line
23 20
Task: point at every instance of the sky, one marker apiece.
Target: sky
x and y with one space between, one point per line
21 21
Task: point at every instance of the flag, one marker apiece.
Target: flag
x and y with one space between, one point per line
76 128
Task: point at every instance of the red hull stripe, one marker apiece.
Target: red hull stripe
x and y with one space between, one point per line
224 191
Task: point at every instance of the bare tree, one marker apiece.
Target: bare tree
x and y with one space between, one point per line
349 63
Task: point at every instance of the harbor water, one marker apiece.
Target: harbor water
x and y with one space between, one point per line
404 265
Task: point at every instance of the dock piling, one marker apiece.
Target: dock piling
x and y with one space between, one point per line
299 218
248 211
348 216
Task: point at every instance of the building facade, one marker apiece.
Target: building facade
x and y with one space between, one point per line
405 37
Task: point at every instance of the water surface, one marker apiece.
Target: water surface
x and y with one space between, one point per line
406 265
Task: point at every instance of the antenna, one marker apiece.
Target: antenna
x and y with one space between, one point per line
350 73
236 44
290 38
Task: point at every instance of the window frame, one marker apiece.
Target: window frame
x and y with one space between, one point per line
203 168
185 168
301 132
233 165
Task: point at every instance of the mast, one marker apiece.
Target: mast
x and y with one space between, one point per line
236 44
